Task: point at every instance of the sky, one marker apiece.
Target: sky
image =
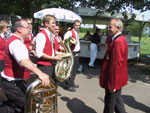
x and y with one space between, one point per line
146 14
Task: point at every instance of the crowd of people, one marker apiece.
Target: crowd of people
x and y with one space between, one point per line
21 49
15 58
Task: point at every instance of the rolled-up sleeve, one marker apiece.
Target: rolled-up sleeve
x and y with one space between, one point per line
67 35
40 44
18 50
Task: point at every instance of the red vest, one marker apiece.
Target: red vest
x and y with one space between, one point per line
74 36
12 68
47 50
57 45
2 47
28 41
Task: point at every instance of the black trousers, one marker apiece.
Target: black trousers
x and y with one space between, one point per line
1 68
15 93
1 65
54 76
71 80
113 102
48 70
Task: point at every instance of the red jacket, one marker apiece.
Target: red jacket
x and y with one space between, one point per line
114 72
2 47
57 45
12 68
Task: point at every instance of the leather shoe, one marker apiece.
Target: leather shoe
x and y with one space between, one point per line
70 89
75 86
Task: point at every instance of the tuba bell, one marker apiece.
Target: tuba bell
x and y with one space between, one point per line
40 99
64 67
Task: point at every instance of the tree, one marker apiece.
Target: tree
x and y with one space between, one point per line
26 8
117 5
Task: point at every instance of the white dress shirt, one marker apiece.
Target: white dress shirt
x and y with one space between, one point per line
115 36
69 34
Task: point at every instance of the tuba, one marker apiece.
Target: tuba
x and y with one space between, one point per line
64 67
40 99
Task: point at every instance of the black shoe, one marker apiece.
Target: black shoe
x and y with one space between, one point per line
90 66
75 86
70 89
58 94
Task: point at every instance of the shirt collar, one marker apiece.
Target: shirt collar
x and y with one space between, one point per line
2 35
18 37
115 36
47 31
75 30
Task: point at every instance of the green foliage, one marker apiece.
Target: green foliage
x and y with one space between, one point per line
145 45
26 8
84 30
133 28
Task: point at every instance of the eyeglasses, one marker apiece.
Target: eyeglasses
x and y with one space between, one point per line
25 27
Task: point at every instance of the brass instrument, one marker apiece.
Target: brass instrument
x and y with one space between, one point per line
40 99
64 67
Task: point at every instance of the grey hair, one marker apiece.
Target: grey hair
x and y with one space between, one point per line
17 24
118 23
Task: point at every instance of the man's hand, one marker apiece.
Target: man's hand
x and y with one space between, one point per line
57 58
42 76
112 90
45 80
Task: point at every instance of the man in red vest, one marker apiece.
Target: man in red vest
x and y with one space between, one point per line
45 46
114 74
28 40
70 83
17 64
4 29
57 39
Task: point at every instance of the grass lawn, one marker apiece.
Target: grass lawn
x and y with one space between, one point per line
145 45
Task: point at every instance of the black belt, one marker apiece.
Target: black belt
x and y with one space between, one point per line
12 81
75 53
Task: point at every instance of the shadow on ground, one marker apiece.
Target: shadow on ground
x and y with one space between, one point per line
77 106
130 101
90 72
137 70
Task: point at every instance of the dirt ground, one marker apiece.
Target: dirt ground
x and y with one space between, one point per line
88 98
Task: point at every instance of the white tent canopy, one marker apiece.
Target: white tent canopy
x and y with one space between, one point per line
63 15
